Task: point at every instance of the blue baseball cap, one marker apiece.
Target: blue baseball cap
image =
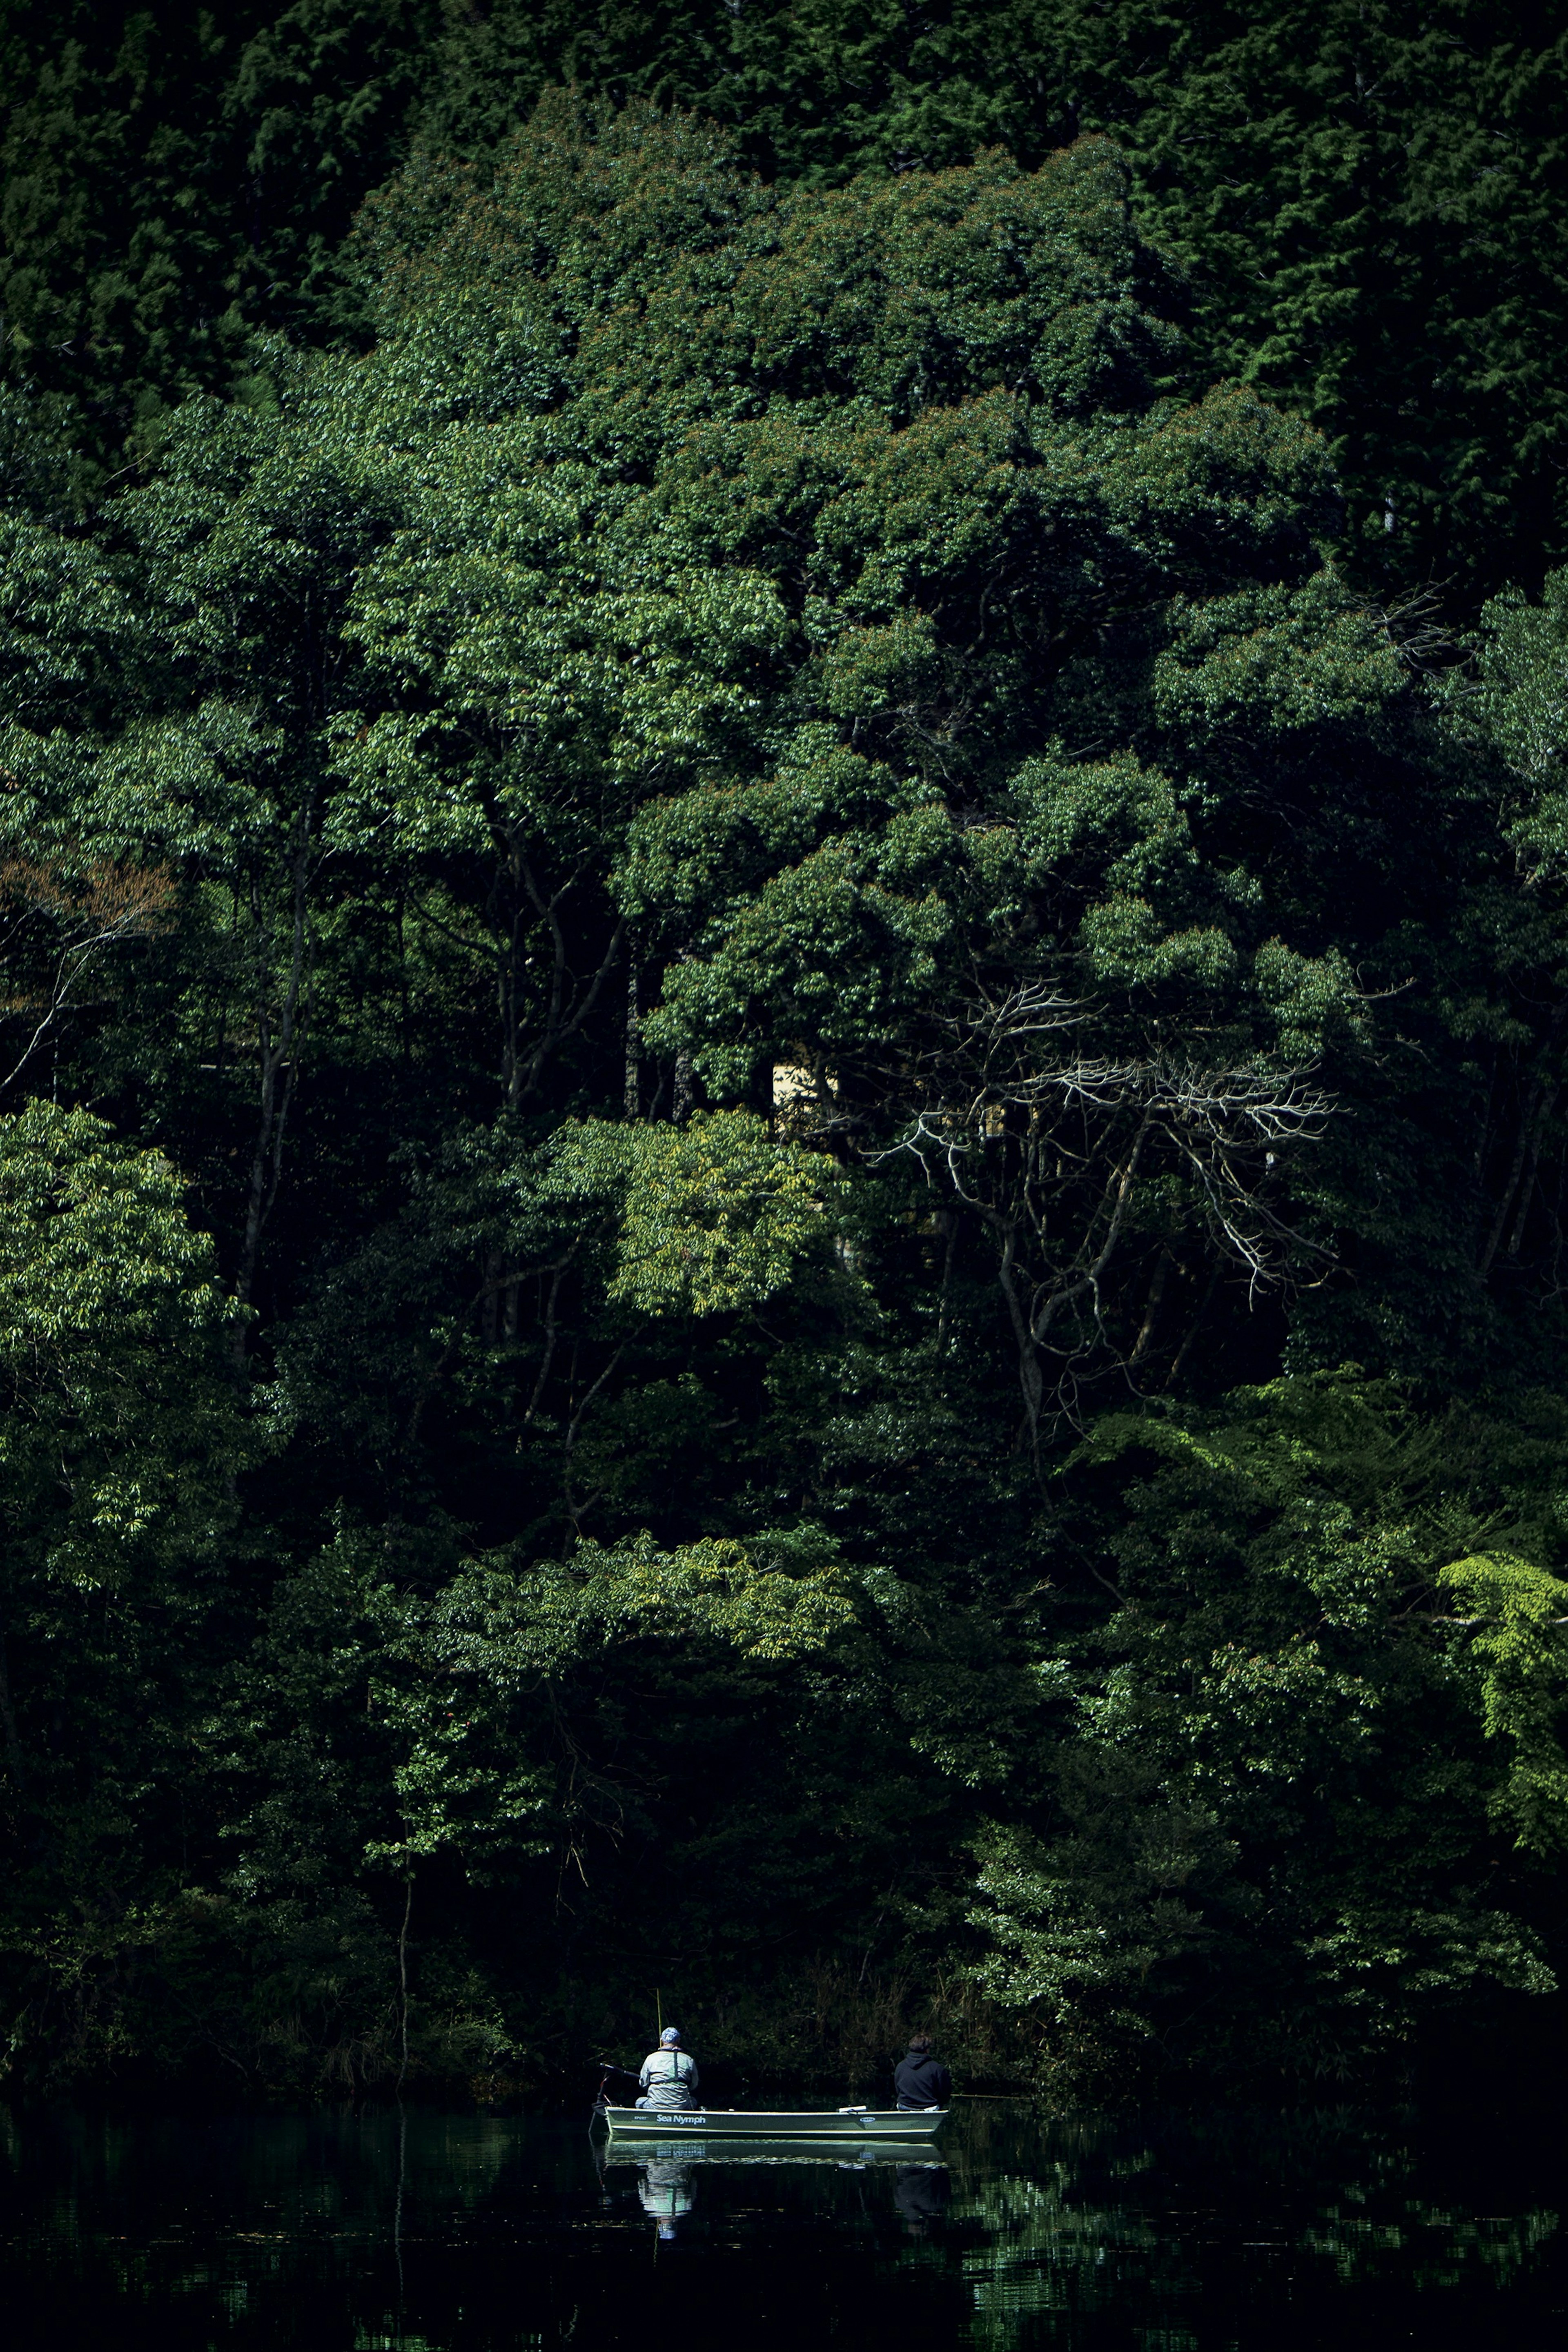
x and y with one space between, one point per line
670 2033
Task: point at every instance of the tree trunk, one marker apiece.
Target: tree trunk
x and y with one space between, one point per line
278 1062
8 1725
632 1101
1542 1093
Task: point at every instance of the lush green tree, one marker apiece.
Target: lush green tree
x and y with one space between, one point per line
174 173
1365 198
1279 1792
771 868
119 1444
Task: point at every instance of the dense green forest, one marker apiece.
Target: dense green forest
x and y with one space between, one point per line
785 884
1363 197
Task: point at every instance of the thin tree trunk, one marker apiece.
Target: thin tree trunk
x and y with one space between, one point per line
1527 1135
1088 1281
632 1101
277 1058
1194 1327
1527 1190
405 1052
8 1725
950 1218
564 1012
1030 1379
1152 1304
552 1332
403 1979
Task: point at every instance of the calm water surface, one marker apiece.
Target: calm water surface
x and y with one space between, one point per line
429 2232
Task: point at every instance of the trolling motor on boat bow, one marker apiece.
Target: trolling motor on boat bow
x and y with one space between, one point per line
601 2105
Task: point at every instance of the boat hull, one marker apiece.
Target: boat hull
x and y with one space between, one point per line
673 2125
852 2154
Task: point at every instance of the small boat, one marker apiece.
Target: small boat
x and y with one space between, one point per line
730 2150
677 2123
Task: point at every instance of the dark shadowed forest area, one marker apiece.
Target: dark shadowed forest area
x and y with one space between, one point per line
784 883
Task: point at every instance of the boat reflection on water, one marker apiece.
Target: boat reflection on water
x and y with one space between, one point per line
920 2193
664 2185
667 2184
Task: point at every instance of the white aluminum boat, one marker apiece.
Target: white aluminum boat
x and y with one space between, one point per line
673 2125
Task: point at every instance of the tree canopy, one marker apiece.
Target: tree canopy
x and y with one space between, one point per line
873 1064
1363 199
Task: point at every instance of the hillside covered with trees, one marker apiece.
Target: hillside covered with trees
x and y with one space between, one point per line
1363 197
784 890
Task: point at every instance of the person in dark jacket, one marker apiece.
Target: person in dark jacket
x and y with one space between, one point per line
919 2079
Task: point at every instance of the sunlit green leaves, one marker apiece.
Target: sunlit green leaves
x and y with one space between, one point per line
119 1425
1517 704
717 1216
1520 1636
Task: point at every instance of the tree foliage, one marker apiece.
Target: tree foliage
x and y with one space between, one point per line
1364 198
875 1074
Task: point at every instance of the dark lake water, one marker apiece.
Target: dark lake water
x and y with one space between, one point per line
430 2232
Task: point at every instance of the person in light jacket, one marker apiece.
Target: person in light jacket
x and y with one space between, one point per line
669 2077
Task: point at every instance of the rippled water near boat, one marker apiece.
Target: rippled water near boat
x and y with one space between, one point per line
430 2232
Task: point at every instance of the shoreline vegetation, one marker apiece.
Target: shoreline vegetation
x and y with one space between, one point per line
783 881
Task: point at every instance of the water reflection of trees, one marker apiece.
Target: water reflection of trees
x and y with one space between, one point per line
1158 2230
1100 2221
1428 2246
